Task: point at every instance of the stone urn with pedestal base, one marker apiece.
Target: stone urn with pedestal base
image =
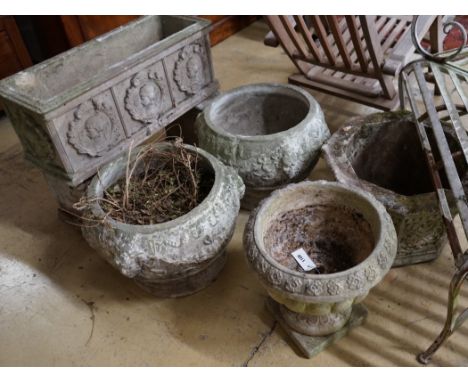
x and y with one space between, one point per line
349 236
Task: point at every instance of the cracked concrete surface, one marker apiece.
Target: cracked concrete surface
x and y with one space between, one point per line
256 348
47 271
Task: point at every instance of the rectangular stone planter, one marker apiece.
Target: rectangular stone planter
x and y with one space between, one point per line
84 107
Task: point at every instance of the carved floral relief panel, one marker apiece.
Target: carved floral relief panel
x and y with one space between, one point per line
90 130
71 131
188 70
143 99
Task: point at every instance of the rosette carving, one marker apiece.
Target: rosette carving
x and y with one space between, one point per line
355 281
370 274
314 288
333 288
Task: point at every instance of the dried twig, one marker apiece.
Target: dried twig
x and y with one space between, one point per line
158 186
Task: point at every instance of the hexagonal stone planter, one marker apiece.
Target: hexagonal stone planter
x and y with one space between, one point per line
270 133
381 154
175 258
345 230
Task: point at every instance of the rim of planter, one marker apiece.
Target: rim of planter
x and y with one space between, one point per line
49 104
345 173
262 88
368 262
99 184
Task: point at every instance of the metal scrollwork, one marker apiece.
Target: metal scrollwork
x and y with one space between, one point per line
446 28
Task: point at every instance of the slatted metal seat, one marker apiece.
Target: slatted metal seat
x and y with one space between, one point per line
449 72
354 57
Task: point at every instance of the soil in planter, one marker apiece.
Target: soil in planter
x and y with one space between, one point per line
336 238
162 186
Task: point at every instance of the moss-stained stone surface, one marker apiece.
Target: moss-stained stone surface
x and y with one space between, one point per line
381 153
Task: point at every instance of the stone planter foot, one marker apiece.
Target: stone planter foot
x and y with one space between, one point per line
185 285
253 196
310 346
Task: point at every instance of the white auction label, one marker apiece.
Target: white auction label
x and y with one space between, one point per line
303 259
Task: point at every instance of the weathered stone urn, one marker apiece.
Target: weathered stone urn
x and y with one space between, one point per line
270 133
381 154
345 230
80 109
175 258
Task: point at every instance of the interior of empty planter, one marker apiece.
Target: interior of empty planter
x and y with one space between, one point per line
254 111
389 154
334 235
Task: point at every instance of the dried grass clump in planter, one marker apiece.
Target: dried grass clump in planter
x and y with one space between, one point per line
167 185
164 215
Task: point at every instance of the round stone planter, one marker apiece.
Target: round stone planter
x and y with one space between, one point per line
270 133
381 154
334 224
178 257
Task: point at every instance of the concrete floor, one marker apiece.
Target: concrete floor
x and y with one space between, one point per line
60 304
